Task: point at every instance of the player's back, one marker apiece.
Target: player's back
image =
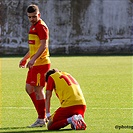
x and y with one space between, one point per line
67 89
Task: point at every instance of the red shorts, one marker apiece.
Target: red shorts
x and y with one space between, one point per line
36 75
64 113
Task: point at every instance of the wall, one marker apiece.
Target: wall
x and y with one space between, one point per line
76 26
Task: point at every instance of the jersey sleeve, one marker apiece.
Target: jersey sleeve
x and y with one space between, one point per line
50 84
42 32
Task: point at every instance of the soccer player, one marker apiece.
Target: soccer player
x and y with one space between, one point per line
71 98
38 63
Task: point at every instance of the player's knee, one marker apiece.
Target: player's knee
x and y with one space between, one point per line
29 89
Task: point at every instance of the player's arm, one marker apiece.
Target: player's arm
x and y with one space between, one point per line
42 48
23 61
48 97
49 89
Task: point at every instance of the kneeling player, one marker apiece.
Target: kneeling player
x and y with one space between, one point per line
71 98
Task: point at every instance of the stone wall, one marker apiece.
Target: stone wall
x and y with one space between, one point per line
76 26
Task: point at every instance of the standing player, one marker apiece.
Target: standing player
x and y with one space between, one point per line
38 64
71 98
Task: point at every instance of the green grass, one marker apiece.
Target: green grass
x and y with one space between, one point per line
105 81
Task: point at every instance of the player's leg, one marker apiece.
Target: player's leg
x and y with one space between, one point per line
40 101
69 115
40 97
30 89
77 120
40 72
40 121
57 121
31 93
37 80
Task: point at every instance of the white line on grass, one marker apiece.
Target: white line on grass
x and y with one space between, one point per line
111 108
16 107
89 108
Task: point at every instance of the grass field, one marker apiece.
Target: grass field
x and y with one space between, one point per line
105 81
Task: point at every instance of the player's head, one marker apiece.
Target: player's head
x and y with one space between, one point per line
50 72
32 8
33 13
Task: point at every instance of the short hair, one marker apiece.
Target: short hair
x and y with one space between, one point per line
32 8
50 72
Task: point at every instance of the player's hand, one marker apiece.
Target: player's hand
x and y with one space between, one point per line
22 63
30 63
48 116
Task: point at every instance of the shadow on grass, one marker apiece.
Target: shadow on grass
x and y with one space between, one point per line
28 130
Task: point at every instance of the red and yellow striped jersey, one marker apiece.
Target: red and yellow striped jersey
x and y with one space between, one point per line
38 32
66 88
